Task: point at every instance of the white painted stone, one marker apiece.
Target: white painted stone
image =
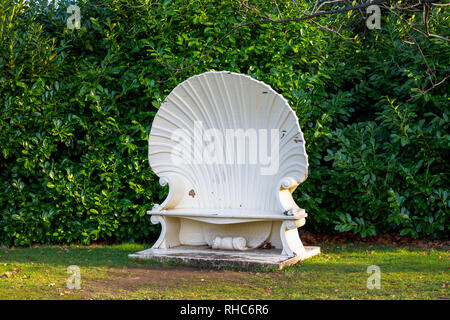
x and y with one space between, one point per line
203 256
230 243
227 203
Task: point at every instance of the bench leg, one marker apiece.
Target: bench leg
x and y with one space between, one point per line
292 245
170 230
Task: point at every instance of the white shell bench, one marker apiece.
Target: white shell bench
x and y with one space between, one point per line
220 201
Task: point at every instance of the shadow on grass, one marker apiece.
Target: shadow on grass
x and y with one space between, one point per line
343 259
91 256
112 256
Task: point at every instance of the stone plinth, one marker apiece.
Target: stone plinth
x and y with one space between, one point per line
205 257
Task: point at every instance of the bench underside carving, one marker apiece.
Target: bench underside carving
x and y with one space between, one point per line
181 230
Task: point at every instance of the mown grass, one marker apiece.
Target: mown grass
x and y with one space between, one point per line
340 272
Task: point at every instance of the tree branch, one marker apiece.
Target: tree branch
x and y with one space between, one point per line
269 20
314 14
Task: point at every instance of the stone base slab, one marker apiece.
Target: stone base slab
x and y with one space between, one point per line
204 256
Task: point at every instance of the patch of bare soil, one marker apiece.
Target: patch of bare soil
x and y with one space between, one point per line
132 279
383 239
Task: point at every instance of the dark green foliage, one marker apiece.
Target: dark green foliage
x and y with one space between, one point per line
77 106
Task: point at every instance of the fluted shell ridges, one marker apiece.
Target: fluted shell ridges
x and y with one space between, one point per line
223 101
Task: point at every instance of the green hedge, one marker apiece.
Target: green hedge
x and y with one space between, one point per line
77 107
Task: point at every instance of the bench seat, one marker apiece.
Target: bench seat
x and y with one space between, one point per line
228 216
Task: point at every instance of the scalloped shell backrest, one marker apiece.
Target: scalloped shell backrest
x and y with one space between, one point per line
226 100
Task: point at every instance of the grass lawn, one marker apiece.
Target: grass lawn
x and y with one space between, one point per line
338 273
